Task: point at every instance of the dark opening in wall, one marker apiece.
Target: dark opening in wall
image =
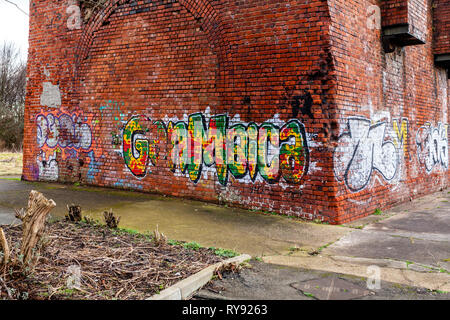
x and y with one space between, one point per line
399 36
443 60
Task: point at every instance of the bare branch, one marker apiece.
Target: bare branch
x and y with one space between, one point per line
12 95
14 4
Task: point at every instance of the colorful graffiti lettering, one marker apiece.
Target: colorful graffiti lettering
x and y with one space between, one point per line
65 131
432 146
135 147
273 151
362 149
240 150
60 133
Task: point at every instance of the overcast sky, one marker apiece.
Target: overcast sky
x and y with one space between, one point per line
14 24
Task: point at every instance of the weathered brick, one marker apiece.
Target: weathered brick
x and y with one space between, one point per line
138 69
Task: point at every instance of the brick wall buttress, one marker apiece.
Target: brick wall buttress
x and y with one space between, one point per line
224 101
297 107
393 108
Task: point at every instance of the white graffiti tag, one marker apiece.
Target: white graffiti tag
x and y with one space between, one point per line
432 146
48 168
361 150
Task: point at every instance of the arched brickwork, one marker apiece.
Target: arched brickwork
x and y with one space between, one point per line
352 125
203 12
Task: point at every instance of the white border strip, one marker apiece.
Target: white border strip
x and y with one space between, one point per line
185 288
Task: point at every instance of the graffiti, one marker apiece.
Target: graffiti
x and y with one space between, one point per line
64 131
362 149
307 105
401 132
135 147
93 166
111 111
48 167
240 150
60 132
432 146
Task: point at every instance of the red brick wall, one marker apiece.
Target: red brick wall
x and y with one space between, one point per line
51 63
441 15
412 13
384 90
419 13
394 12
280 78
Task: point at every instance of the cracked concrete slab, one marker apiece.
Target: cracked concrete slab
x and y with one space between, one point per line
410 243
417 232
279 282
435 223
382 245
430 280
332 289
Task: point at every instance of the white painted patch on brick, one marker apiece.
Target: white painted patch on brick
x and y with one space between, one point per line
51 95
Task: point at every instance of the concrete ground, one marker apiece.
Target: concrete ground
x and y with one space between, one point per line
410 243
208 224
264 281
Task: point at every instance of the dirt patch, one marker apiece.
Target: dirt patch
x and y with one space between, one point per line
111 264
10 163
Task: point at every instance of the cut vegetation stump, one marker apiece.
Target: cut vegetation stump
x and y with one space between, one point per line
158 237
4 247
74 213
110 219
33 222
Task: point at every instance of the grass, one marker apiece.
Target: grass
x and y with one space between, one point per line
224 253
378 212
309 295
294 249
174 242
320 249
10 179
10 163
192 246
66 292
120 231
441 270
441 292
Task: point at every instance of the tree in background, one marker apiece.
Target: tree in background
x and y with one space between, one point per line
13 75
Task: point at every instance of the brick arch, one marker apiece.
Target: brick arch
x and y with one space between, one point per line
203 12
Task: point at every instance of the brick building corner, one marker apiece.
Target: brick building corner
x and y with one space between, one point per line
319 109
